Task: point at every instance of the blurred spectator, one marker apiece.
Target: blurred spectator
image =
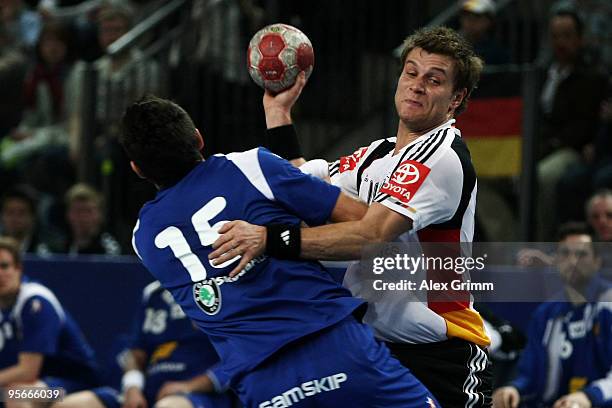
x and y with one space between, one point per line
22 25
599 214
84 213
592 174
477 20
38 146
42 346
18 217
165 366
568 356
596 15
117 85
13 67
224 30
570 101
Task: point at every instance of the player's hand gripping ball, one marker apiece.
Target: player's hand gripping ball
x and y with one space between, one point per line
276 55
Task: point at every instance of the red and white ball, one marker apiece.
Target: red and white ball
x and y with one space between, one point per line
276 55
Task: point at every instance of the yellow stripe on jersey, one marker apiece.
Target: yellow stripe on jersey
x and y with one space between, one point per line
163 351
577 383
466 324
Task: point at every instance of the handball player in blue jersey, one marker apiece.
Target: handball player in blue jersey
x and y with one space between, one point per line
165 366
40 344
284 330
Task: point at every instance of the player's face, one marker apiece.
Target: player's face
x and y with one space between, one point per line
600 217
17 218
424 97
10 274
576 260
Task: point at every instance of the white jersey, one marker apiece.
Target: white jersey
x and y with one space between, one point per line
432 182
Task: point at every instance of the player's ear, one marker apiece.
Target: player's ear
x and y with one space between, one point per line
200 139
458 97
137 170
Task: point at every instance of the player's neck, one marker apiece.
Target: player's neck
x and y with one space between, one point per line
407 134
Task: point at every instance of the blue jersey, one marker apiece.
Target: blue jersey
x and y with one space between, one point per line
272 302
37 323
569 349
176 349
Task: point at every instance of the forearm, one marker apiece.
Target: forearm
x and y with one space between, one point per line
277 117
200 383
17 374
136 359
344 241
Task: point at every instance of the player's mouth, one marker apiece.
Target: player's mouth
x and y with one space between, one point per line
412 102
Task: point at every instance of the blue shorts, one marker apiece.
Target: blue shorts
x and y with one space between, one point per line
111 398
343 365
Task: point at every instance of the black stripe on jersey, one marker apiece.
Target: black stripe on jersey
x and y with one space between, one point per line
469 182
333 168
380 151
423 158
420 151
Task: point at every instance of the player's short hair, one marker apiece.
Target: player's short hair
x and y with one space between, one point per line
573 228
445 41
576 228
159 137
83 192
12 247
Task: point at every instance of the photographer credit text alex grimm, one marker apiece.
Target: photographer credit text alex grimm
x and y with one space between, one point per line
411 265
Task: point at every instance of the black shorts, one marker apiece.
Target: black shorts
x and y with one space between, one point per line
456 371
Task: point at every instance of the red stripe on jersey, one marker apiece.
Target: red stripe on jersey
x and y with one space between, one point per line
350 162
445 249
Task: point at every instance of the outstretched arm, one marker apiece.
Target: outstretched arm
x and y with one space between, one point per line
341 241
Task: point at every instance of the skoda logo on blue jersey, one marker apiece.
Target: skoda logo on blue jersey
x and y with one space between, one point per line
207 296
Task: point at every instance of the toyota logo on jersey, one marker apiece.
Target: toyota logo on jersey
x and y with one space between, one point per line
406 173
406 180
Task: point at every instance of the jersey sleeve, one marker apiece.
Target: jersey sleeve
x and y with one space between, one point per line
318 168
41 326
425 195
309 198
344 172
600 390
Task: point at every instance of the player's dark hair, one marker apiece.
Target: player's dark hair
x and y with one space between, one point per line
573 228
160 137
576 228
578 24
12 247
445 41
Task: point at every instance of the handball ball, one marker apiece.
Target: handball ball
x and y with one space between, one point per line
276 55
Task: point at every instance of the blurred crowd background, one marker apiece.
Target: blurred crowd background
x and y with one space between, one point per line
538 126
